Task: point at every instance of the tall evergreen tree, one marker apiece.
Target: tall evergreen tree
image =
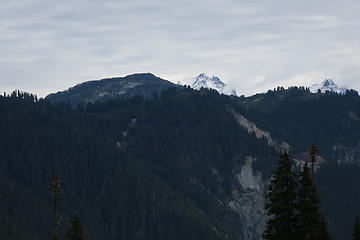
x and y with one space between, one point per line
75 231
356 231
311 223
313 150
55 190
281 202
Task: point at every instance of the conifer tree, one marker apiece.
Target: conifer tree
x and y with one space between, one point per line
311 223
356 231
313 150
281 198
75 231
55 190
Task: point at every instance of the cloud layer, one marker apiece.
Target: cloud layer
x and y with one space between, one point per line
255 45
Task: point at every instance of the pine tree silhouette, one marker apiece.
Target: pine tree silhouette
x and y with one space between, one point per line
356 231
311 223
75 231
281 202
55 191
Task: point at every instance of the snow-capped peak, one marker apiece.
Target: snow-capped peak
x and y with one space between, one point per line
204 81
327 85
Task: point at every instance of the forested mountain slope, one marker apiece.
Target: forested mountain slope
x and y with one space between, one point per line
133 169
178 165
332 122
145 84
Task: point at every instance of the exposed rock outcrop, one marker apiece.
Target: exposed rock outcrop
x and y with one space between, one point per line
347 155
259 133
248 199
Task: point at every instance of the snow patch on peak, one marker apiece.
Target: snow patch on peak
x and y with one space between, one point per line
327 85
204 81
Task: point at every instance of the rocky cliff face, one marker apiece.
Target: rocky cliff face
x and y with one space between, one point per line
251 127
347 155
248 199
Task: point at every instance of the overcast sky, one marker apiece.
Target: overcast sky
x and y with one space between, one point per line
255 45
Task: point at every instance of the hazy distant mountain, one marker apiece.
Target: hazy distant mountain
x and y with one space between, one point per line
328 85
204 81
145 84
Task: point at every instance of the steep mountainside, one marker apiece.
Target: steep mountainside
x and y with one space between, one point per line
183 164
159 168
145 84
299 118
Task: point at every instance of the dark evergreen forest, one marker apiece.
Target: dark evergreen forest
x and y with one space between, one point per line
133 169
144 168
329 120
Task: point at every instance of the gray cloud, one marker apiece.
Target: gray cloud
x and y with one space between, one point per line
252 45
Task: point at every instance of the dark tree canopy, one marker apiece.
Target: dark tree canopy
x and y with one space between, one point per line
281 202
75 231
311 223
162 167
356 230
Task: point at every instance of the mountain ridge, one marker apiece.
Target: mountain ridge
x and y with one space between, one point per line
145 84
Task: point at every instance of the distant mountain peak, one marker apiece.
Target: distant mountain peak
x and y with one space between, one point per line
204 81
145 84
328 85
